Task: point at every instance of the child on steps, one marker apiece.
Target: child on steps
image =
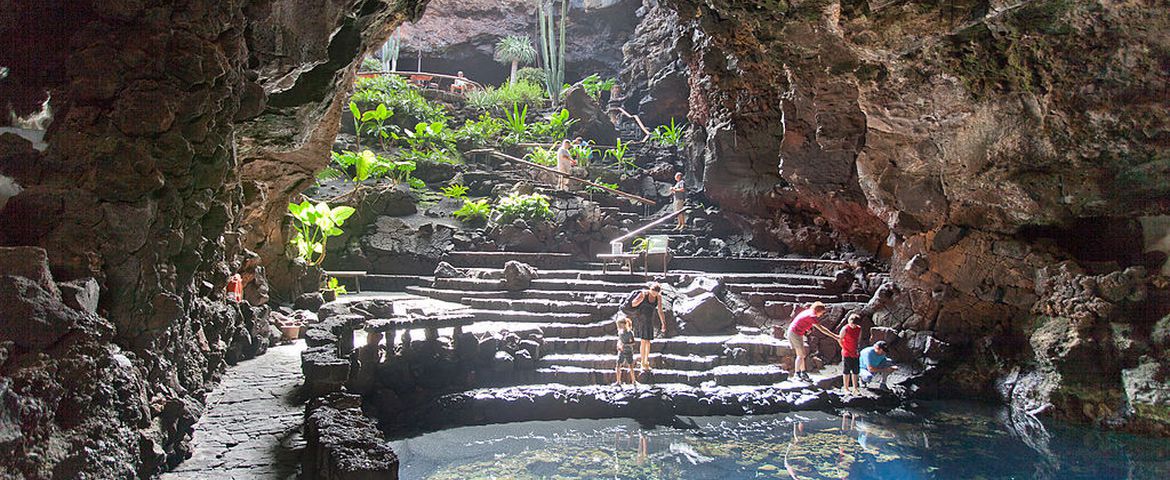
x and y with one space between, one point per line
848 338
625 349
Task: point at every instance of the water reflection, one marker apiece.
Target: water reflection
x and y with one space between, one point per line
943 441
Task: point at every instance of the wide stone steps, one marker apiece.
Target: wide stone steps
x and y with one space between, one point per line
723 375
544 260
477 284
758 347
786 310
520 316
554 295
673 276
388 283
658 360
778 288
599 310
760 299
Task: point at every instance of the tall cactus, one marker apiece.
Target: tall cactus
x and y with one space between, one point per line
552 47
389 53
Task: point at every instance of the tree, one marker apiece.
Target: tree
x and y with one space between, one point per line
515 49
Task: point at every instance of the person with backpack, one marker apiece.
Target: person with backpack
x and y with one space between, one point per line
644 305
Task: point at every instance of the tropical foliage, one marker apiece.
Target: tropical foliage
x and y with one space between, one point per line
542 156
594 85
481 132
668 135
398 96
618 153
314 225
473 211
530 208
335 286
457 190
531 75
520 92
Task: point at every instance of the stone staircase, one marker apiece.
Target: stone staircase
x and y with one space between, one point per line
573 307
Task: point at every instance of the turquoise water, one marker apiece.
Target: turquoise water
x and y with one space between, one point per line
937 441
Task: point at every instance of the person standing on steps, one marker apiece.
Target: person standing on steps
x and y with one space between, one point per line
625 350
647 304
848 338
797 330
564 165
680 200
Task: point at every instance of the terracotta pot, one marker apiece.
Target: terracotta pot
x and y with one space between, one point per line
289 333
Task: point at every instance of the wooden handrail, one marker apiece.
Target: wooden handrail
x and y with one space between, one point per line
650 225
521 161
636 120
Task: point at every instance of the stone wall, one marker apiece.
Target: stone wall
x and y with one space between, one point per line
973 142
180 130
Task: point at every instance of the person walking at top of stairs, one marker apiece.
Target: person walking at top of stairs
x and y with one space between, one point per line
564 165
680 200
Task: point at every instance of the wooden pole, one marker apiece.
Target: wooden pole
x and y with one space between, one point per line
521 161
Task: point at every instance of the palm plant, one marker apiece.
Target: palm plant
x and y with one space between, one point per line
515 49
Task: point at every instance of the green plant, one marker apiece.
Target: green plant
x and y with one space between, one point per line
520 92
356 113
583 153
480 132
531 75
552 50
530 208
542 156
619 155
594 85
335 286
388 53
457 190
557 126
365 165
433 135
370 64
516 123
400 97
668 135
314 225
515 49
592 189
473 211
639 245
375 121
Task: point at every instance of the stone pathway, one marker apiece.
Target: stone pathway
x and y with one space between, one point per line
252 426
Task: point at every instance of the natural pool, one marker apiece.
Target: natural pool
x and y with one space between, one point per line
936 441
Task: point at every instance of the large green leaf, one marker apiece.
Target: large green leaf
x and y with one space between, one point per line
341 213
365 163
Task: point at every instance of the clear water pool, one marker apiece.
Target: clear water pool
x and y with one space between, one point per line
937 441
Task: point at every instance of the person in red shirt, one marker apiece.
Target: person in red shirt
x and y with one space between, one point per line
800 326
848 338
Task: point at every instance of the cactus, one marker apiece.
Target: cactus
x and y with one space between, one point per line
389 53
552 47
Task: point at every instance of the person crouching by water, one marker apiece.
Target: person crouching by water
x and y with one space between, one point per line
876 365
647 304
801 324
625 349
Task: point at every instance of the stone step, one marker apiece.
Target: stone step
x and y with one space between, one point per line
756 348
554 295
744 265
389 283
786 310
599 310
467 259
778 288
520 316
722 375
478 284
673 276
657 360
760 299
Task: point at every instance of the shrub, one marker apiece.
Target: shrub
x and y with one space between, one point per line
521 92
471 212
457 190
371 64
668 135
335 286
399 96
594 85
516 124
531 75
619 155
542 156
481 132
556 127
530 208
432 135
314 225
583 154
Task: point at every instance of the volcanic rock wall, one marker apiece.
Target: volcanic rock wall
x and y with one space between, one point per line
180 130
979 143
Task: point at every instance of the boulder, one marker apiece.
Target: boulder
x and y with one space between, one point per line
503 362
324 371
80 294
518 276
700 286
1147 389
256 287
523 360
28 262
309 301
33 317
592 121
532 347
703 314
446 270
369 309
